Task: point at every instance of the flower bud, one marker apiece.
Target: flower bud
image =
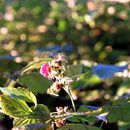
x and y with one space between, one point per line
45 71
56 86
60 122
61 110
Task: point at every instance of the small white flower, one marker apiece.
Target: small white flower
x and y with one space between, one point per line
65 80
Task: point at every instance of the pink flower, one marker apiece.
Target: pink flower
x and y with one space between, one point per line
45 71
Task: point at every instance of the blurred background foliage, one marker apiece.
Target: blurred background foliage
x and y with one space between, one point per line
88 31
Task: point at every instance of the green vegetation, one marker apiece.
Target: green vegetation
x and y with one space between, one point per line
90 33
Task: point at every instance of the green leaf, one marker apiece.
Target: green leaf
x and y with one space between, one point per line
35 82
124 125
83 109
40 114
120 113
78 127
1 116
37 126
26 124
87 81
20 93
123 88
74 70
36 65
14 107
89 117
120 101
83 119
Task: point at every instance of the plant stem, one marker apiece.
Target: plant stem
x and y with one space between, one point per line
70 114
48 121
68 91
101 124
71 98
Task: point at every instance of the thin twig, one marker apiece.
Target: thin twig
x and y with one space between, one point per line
68 91
70 114
101 124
